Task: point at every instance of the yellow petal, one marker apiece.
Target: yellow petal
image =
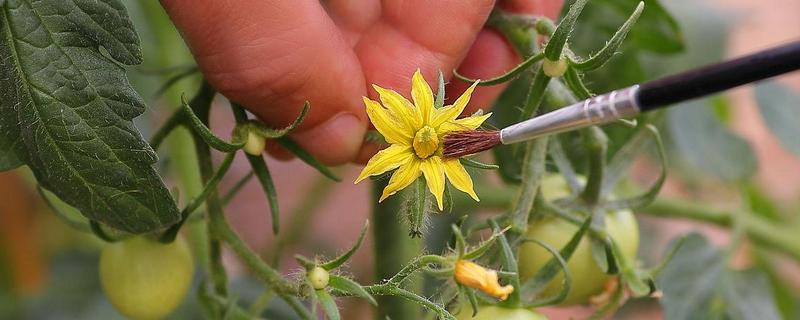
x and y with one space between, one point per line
400 107
433 170
404 176
459 177
452 112
463 124
387 124
423 97
385 160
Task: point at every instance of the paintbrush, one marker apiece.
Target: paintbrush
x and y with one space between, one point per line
633 100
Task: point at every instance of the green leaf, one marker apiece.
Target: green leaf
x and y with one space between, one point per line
73 107
68 214
351 287
689 281
335 263
328 304
780 108
698 285
749 296
707 145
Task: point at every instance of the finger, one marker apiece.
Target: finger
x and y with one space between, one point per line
492 55
429 35
276 151
548 8
273 55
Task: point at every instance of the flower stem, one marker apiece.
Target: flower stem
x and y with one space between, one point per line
393 249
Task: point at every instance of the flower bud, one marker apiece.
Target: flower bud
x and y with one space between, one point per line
554 69
318 277
472 275
255 144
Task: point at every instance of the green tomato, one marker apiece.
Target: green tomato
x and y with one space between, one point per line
587 277
499 313
319 278
145 279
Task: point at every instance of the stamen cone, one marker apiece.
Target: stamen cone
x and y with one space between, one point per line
464 143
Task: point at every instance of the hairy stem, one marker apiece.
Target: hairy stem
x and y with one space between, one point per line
393 249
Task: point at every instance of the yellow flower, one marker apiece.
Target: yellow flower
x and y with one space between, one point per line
472 275
416 133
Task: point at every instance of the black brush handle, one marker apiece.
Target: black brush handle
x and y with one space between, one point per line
719 77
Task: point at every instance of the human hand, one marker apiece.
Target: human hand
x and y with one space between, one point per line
272 55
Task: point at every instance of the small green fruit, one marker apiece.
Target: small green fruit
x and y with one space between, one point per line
587 277
318 277
255 144
145 279
554 69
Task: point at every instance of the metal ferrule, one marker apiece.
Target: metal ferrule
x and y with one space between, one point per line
601 109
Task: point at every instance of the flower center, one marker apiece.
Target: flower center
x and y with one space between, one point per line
426 142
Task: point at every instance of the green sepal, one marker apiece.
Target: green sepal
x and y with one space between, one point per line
306 157
533 286
351 287
328 304
205 133
478 165
338 261
558 40
601 57
508 76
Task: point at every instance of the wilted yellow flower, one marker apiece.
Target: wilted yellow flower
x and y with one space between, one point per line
472 275
416 133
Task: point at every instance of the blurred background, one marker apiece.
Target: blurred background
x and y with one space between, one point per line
48 270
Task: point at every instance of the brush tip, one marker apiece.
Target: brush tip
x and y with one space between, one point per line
459 144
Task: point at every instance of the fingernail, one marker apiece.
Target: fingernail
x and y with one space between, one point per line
335 141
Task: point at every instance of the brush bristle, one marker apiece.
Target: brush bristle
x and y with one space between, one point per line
464 143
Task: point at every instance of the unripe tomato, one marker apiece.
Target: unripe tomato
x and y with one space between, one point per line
499 313
587 277
145 279
255 144
554 69
318 277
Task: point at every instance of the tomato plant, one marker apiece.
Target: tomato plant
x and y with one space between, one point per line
145 279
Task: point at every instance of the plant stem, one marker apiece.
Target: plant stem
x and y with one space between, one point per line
393 249
781 237
413 299
201 105
597 146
